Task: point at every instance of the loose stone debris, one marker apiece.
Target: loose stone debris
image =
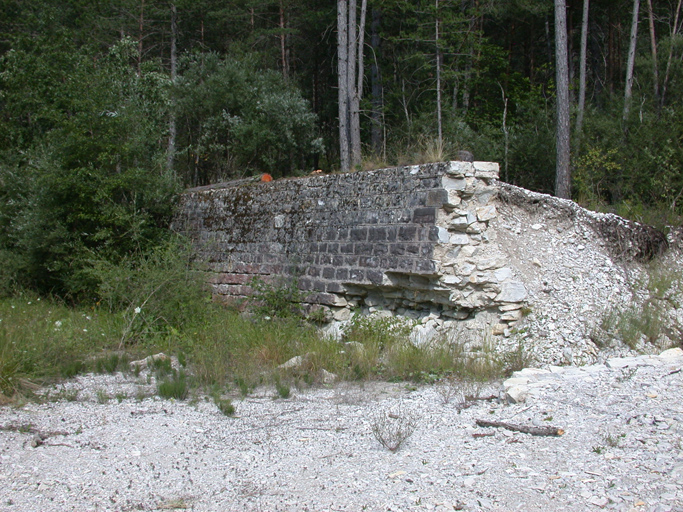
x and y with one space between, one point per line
621 450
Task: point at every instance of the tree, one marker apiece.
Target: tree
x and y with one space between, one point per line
376 86
439 128
172 132
350 50
562 171
89 185
236 119
582 69
628 88
653 49
343 83
674 31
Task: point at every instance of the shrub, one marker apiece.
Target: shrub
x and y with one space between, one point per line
159 292
176 386
225 406
280 300
283 389
392 427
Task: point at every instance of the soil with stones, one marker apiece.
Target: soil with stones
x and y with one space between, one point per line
99 444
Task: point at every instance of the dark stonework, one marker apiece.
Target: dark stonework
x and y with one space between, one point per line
333 232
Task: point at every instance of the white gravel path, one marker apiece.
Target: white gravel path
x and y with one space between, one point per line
622 450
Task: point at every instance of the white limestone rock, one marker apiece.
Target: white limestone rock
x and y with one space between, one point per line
486 213
512 291
459 168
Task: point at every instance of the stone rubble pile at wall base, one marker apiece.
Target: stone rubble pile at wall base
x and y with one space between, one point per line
474 261
621 448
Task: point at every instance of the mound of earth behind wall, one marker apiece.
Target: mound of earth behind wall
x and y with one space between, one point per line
471 260
585 272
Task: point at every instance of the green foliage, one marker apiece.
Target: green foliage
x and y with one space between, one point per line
86 184
645 321
174 386
158 292
111 363
239 119
42 340
225 405
279 300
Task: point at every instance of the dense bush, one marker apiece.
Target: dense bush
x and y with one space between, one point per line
83 181
237 119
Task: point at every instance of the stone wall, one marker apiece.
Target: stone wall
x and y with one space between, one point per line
411 240
471 260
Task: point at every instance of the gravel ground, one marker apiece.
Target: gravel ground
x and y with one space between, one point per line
621 450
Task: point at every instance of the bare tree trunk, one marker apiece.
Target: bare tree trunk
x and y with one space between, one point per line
438 79
283 45
141 24
653 46
343 83
562 172
376 79
582 69
674 31
170 155
506 132
628 89
351 73
357 88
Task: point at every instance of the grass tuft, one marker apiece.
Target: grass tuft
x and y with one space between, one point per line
174 386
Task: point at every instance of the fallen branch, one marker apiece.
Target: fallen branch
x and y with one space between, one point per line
534 431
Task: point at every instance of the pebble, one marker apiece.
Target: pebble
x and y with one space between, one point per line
316 450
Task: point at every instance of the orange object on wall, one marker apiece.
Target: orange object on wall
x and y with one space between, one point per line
266 177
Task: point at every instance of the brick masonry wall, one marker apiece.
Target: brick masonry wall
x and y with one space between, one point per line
402 238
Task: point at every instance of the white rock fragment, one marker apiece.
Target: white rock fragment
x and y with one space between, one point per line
672 353
486 213
459 239
517 394
512 291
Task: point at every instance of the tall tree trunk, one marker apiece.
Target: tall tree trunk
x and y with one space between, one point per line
653 47
562 172
628 88
351 73
283 43
170 155
674 31
356 89
141 25
376 82
582 69
438 79
343 82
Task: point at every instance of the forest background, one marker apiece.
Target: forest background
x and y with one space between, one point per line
109 108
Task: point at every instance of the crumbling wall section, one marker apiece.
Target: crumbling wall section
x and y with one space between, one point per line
411 238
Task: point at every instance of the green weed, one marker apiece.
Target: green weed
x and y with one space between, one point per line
280 299
174 386
283 389
225 405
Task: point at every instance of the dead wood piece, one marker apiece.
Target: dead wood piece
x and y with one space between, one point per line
482 434
534 431
489 398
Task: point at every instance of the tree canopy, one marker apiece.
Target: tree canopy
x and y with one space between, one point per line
95 95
